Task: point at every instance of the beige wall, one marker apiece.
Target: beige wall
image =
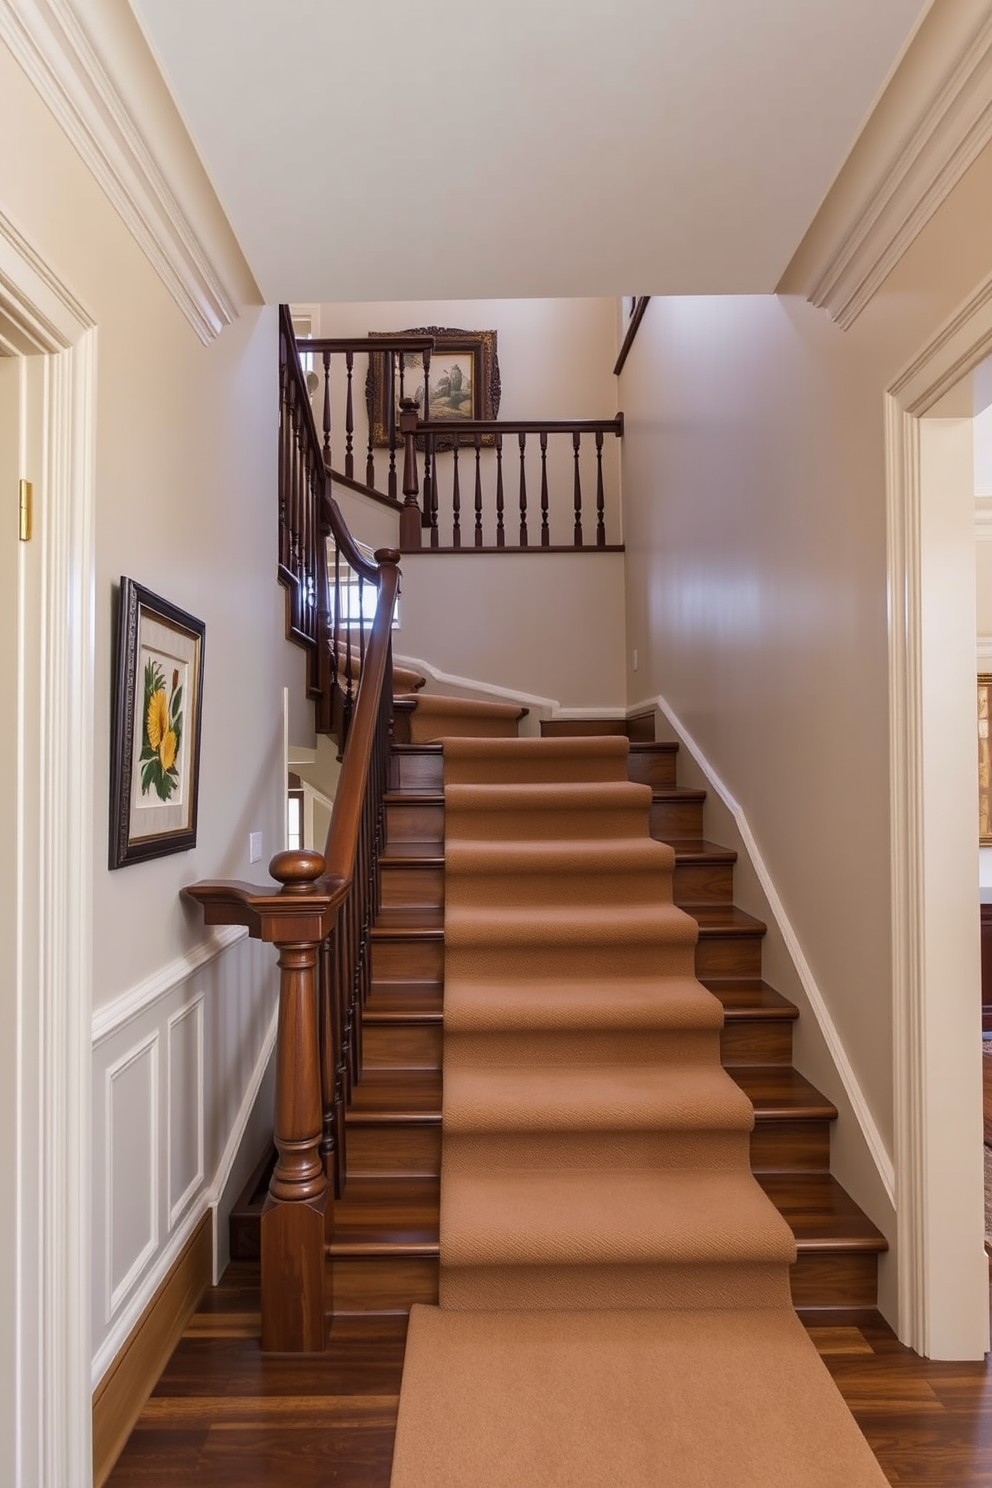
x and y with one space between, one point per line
185 504
754 480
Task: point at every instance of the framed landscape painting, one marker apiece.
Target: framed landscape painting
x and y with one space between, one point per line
155 731
463 382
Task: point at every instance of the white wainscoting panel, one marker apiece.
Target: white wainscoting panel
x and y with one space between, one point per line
184 1094
180 1057
132 1147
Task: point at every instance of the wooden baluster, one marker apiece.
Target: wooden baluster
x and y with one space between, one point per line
294 1217
294 452
349 669
425 412
340 1067
600 494
391 407
327 408
522 438
576 437
500 534
428 512
456 499
545 533
410 517
329 1035
478 490
349 420
361 625
370 452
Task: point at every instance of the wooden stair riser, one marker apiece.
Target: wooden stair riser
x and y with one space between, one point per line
835 1279
790 1145
401 1046
406 885
420 769
414 821
419 957
730 954
406 1149
702 883
382 1284
761 1041
675 816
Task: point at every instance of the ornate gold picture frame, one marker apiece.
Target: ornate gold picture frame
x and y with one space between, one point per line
464 381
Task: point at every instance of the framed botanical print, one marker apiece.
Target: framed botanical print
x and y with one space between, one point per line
155 731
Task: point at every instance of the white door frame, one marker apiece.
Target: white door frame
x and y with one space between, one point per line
943 1273
55 850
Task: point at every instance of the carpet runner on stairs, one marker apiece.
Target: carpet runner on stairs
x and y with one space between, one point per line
614 1292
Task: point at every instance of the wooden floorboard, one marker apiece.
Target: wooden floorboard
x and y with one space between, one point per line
224 1414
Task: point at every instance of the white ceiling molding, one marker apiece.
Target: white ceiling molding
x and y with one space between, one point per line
984 651
50 43
927 159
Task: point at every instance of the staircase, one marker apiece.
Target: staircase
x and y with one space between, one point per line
385 1245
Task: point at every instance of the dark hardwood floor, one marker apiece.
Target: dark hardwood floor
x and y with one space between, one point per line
224 1414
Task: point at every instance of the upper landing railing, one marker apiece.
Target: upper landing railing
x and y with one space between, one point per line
468 484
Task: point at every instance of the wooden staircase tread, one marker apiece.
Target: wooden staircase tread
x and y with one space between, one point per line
779 1091
413 854
400 991
750 996
653 746
724 919
408 1244
698 850
822 1214
369 1200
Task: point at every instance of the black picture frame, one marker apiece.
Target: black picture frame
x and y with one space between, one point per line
155 727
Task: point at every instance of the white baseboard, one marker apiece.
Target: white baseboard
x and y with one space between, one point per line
543 707
862 1112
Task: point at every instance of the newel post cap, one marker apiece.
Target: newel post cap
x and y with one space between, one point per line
297 870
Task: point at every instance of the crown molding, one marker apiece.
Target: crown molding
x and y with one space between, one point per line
930 124
49 40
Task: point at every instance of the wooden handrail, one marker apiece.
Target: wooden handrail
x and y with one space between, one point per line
317 345
463 427
320 918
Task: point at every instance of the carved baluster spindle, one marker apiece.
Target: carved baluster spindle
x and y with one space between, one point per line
500 534
576 438
361 625
294 1217
328 1062
425 411
349 419
456 497
349 668
294 456
340 1065
545 533
326 358
370 414
522 440
478 490
600 494
410 517
429 518
394 401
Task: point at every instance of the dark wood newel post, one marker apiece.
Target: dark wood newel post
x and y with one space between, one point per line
294 1304
410 517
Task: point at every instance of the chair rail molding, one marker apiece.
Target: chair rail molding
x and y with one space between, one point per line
74 77
930 124
109 1018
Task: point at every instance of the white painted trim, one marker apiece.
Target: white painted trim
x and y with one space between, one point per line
544 707
191 1009
859 1105
953 352
148 1047
53 1415
929 158
143 1293
109 1019
984 653
50 41
983 517
239 1128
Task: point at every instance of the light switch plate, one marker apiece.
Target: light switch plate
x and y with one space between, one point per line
254 847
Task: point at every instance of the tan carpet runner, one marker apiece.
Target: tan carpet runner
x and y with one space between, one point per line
614 1294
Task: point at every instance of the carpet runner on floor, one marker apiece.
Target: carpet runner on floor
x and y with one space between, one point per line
614 1285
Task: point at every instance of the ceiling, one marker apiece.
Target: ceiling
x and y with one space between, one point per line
525 147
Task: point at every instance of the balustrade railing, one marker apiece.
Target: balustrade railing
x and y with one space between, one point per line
460 483
320 918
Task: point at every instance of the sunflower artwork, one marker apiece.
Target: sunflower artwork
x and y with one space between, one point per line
155 728
163 732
